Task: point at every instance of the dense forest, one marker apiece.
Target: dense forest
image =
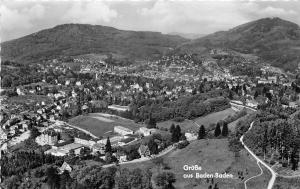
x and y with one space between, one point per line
276 136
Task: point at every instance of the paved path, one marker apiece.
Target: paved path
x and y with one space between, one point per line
261 172
274 174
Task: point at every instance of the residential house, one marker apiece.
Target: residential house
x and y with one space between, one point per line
144 151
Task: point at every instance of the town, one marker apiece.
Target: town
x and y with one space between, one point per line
150 95
57 109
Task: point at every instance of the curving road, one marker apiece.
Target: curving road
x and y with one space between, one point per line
274 174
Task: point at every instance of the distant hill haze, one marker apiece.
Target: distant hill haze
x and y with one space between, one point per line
188 35
274 40
78 39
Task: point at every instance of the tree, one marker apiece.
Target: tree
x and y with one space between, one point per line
172 128
217 130
108 146
201 132
225 129
178 132
6 81
52 178
65 180
153 147
151 122
165 180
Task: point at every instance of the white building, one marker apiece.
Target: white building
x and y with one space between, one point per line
47 139
118 108
65 150
122 130
145 131
84 142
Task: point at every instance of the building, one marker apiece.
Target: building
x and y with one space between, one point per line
144 151
122 130
98 147
64 167
47 138
190 136
118 108
145 131
84 141
65 150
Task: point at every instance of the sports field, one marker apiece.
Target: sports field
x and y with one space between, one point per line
102 124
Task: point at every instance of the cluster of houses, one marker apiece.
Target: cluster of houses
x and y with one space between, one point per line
122 136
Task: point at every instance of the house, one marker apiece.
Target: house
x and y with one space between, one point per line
67 82
98 147
20 91
251 103
144 151
190 136
64 167
121 156
293 104
122 130
145 131
78 83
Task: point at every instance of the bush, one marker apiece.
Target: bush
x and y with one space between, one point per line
183 144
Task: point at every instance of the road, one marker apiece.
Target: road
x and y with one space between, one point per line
274 174
142 159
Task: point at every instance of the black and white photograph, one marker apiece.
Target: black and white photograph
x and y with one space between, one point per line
150 94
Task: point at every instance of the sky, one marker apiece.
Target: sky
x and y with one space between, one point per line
20 18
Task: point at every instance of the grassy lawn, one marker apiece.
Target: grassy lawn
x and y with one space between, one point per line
261 181
189 125
214 157
102 125
185 125
214 117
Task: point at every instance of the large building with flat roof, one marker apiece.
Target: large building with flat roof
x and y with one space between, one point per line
65 150
122 130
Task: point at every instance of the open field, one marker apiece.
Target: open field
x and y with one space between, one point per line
100 125
190 125
214 157
214 117
263 180
185 125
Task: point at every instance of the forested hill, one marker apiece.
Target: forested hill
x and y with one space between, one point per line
273 39
78 39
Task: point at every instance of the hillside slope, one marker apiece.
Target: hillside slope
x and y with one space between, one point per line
273 39
77 39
